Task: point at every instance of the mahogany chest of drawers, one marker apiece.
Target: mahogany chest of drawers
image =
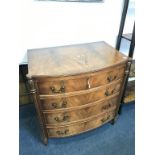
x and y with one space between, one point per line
76 88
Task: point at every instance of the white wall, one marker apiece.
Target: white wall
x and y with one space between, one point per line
47 24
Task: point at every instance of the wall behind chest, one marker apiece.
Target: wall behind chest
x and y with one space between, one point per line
48 23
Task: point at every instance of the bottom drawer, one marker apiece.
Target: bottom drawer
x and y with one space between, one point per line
76 128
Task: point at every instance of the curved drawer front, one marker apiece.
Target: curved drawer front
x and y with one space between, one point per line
76 128
79 114
51 102
77 83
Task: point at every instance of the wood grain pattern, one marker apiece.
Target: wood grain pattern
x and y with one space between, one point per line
72 59
76 128
56 118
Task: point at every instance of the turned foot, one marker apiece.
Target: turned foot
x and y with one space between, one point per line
45 140
120 110
113 121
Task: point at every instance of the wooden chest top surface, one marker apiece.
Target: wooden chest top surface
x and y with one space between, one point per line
72 59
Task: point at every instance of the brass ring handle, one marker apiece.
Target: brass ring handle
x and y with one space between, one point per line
64 118
111 78
105 119
108 93
59 105
61 90
62 132
105 107
63 104
54 105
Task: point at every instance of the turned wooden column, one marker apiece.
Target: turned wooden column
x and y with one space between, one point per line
37 106
126 74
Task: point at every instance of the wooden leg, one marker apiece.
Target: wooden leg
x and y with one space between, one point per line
39 113
44 137
114 120
45 140
120 109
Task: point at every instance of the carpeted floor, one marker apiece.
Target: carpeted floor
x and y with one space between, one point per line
118 139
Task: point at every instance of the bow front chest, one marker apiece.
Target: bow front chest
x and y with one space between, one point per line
76 88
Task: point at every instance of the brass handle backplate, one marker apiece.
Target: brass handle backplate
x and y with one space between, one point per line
61 90
64 118
108 92
105 107
105 119
62 132
111 78
59 105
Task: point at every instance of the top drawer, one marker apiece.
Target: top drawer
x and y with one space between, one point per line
80 82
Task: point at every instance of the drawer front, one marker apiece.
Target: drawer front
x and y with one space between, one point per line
79 114
106 78
57 86
76 128
51 103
